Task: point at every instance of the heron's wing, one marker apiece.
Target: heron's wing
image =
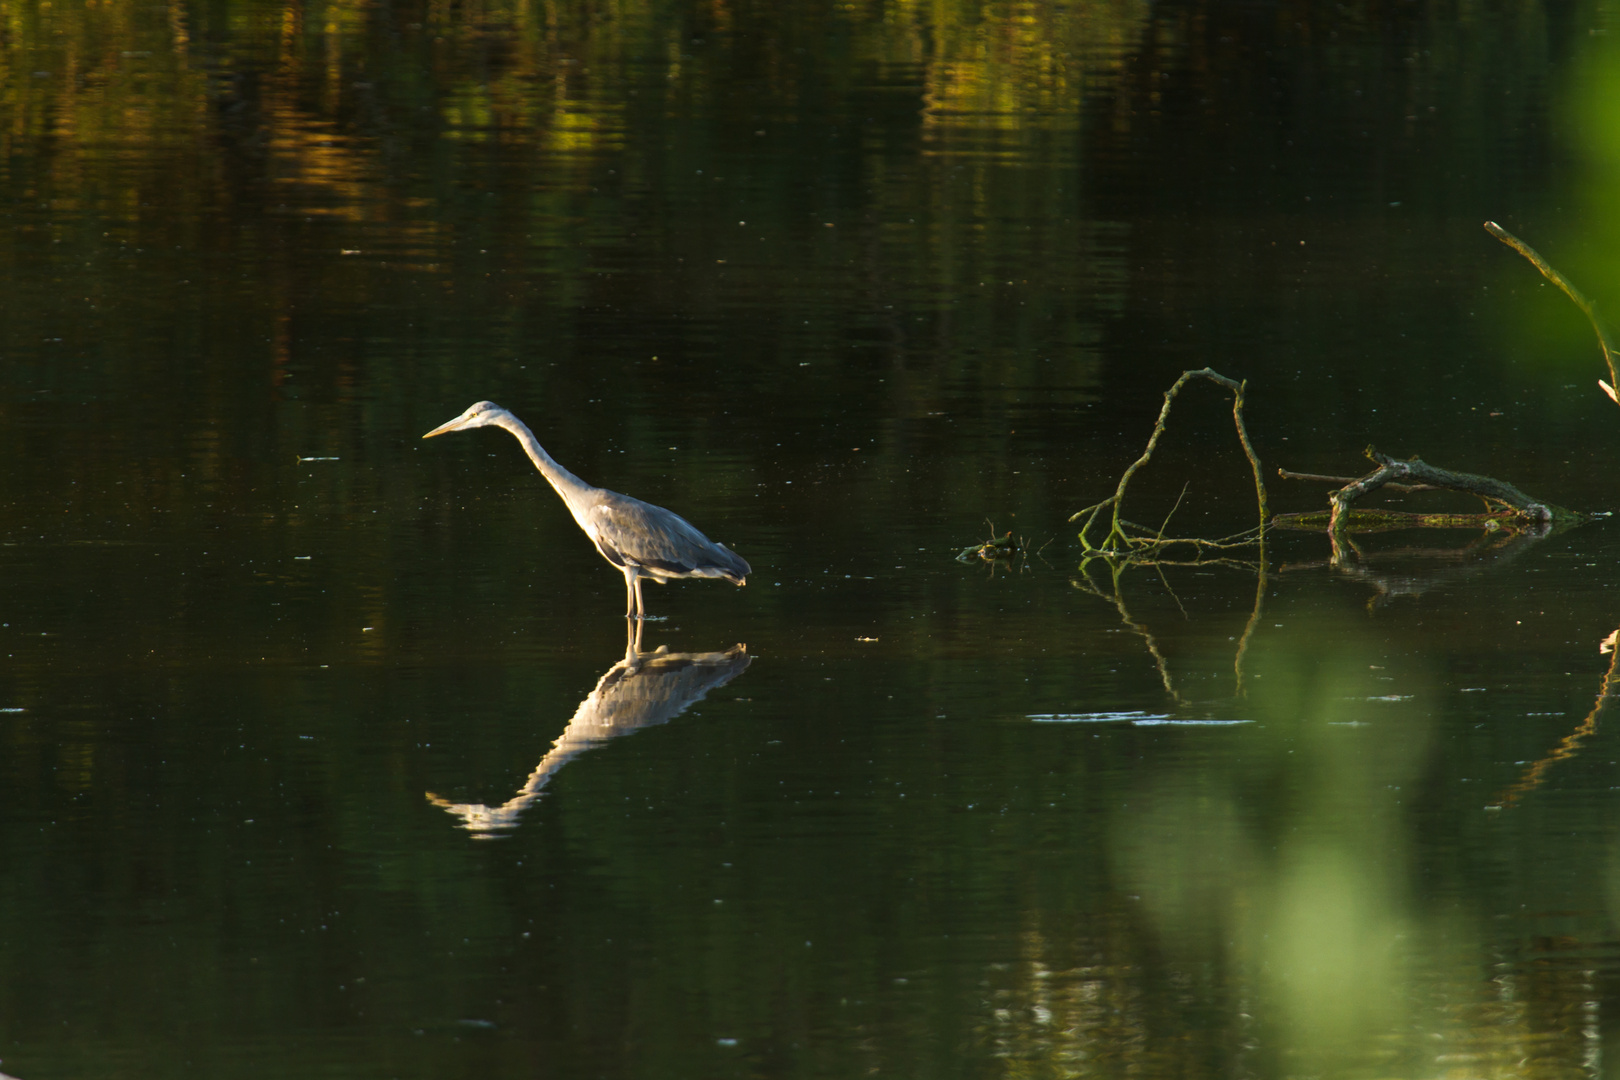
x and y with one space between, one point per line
631 532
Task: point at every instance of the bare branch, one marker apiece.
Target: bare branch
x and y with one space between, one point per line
1117 539
1586 306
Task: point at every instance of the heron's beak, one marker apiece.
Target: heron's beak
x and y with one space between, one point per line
442 428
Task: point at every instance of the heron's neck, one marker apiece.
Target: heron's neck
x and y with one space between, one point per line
569 486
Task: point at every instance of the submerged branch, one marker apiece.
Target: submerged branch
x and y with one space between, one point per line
1376 521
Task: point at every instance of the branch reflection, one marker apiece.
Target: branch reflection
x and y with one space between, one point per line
1393 573
643 689
1570 745
1116 596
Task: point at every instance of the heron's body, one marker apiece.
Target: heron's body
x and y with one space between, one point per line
642 540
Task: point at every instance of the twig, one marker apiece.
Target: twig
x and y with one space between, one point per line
1342 480
1586 306
1166 523
1145 545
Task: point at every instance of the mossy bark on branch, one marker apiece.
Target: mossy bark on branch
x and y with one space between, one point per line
1380 520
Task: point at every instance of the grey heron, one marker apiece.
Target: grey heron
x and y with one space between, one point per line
642 540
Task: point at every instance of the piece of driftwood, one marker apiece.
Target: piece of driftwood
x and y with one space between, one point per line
1605 338
1496 493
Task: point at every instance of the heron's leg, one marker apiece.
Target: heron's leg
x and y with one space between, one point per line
641 605
632 598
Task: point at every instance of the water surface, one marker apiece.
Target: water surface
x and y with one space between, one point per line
850 287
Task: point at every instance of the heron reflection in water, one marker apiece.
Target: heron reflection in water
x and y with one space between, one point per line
642 540
643 689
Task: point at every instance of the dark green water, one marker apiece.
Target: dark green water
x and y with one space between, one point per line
839 283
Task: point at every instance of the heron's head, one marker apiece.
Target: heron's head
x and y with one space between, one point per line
480 415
